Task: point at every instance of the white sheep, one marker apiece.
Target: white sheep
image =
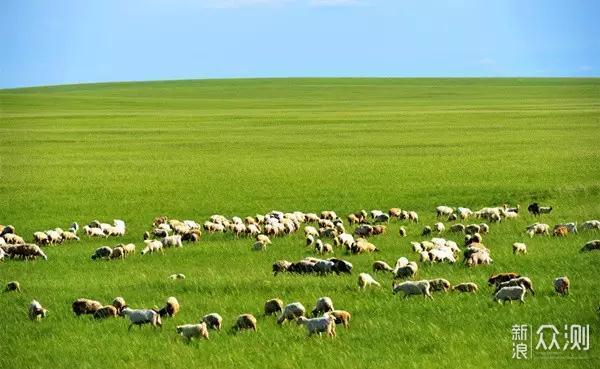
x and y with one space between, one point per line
172 241
189 331
325 323
439 227
591 224
365 280
36 311
443 210
510 294
323 305
152 246
93 231
142 316
519 248
413 288
291 311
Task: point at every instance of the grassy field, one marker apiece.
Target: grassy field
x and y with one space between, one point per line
189 149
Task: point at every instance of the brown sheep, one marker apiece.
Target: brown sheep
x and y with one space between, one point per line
85 306
560 231
245 321
379 229
171 308
273 306
439 284
502 277
119 304
106 312
465 287
118 253
562 285
382 266
341 317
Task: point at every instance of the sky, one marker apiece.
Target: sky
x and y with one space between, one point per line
64 41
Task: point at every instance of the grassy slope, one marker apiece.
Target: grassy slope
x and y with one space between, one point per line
189 149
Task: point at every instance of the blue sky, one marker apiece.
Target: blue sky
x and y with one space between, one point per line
59 41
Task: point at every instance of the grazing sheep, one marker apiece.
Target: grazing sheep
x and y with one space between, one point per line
365 280
379 229
281 266
152 246
36 311
177 276
407 271
560 231
83 306
13 286
323 305
245 321
104 312
128 248
118 253
562 285
13 239
412 216
69 236
426 231
291 312
443 211
259 246
213 321
439 284
119 304
41 238
521 281
591 225
591 246
93 231
263 238
27 251
189 331
472 229
341 266
479 257
341 317
519 248
395 213
142 316
457 228
323 248
424 257
273 306
325 324
401 262
439 227
465 287
7 230
440 255
103 252
538 228
571 227
171 307
364 230
379 266
172 241
510 293
402 232
381 218
413 288
502 277
363 246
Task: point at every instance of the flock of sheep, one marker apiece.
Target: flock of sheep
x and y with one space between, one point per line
323 232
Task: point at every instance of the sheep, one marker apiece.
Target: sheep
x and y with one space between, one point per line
413 217
413 288
106 312
439 284
142 316
538 228
466 287
363 246
325 324
510 293
245 321
440 255
263 238
7 230
311 231
310 240
364 230
128 248
395 213
591 225
562 285
408 271
13 239
291 312
376 213
571 227
381 266
213 321
472 229
69 236
457 228
273 306
323 305
189 331
426 231
321 248
118 253
103 252
152 246
13 286
341 317
474 238
171 307
378 229
83 306
323 267
402 232
519 248
521 281
177 276
484 228
281 266
41 238
341 266
479 257
28 251
401 262
591 246
119 304
560 231
381 218
36 311
172 241
93 231
344 239
443 211
259 246
502 277
365 280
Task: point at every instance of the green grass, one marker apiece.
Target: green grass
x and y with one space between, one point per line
189 149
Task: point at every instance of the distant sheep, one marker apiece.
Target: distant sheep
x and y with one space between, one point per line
408 271
177 276
106 312
465 287
502 277
341 317
291 312
28 251
379 266
591 246
152 246
213 321
413 288
189 331
36 311
562 285
519 248
323 305
142 316
521 281
365 280
171 307
245 321
402 232
510 294
325 324
172 241
273 306
83 306
591 225
103 252
119 304
439 284
13 286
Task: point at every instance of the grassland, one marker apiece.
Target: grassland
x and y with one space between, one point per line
189 149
